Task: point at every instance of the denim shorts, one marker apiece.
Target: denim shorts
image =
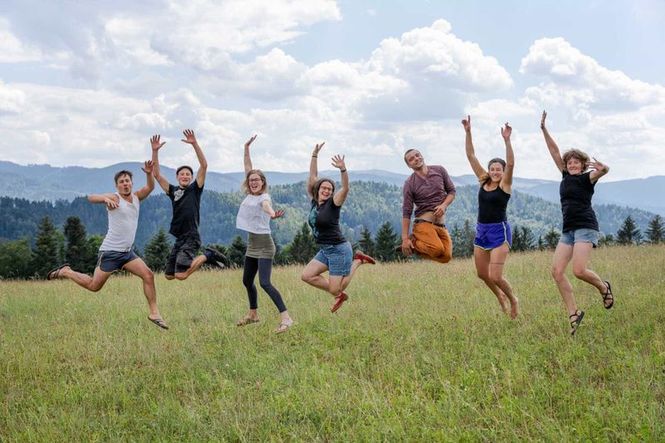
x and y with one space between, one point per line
338 258
493 235
584 235
111 261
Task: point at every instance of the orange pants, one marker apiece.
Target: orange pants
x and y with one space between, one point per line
432 242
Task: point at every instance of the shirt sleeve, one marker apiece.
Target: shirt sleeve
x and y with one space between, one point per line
407 200
448 184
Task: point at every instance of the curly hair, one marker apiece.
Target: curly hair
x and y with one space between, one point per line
575 153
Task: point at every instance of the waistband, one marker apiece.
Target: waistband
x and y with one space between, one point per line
422 220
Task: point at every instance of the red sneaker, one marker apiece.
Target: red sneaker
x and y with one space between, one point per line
364 258
339 301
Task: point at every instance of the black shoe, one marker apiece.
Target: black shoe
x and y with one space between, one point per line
216 258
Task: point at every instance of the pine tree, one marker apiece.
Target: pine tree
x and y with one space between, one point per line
46 253
655 230
606 240
523 239
629 234
551 239
386 242
366 244
76 246
303 247
157 251
15 259
236 252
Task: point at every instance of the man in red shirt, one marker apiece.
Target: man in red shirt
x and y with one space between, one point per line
430 190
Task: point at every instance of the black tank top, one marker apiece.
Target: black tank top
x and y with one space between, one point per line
492 205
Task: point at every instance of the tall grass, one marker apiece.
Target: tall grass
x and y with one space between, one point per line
420 352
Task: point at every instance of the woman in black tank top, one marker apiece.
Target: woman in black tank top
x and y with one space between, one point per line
335 255
493 235
580 228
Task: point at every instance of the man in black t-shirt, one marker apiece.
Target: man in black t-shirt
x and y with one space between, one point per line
186 202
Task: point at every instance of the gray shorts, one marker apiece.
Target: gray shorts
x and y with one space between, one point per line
584 235
111 261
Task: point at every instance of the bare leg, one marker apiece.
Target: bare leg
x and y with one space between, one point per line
196 264
94 283
562 256
498 257
338 284
482 258
140 269
312 275
581 254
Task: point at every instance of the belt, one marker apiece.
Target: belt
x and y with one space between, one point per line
422 220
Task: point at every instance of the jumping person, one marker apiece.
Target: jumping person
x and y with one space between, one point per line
493 235
580 227
186 203
335 254
254 217
116 251
431 191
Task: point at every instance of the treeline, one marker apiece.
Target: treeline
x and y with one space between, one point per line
20 260
368 206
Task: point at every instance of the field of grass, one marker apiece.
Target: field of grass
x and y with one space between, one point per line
421 352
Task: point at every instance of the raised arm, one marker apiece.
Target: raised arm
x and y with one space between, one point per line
598 170
507 180
190 139
247 159
110 200
156 145
267 207
340 196
551 145
470 153
145 191
313 169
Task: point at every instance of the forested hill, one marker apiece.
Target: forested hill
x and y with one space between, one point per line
369 204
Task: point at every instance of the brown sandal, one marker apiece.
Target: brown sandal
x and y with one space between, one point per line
247 321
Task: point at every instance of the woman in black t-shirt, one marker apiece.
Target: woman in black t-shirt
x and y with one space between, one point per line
493 233
335 254
580 227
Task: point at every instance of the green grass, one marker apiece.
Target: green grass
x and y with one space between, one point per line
421 352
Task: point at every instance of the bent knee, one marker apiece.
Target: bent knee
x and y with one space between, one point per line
579 272
557 274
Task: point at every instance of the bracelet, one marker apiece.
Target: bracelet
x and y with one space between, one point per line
342 170
314 156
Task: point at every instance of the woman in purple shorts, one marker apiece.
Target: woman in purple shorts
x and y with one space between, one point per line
580 227
335 255
493 235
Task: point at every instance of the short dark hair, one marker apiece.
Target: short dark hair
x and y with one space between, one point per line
407 153
501 161
177 171
120 174
317 184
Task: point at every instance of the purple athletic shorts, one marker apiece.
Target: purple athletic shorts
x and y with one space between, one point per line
493 235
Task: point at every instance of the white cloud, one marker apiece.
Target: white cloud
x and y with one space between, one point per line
12 50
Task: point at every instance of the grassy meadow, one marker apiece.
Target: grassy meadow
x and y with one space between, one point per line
421 352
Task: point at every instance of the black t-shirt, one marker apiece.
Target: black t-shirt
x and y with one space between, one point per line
492 205
576 192
324 221
186 203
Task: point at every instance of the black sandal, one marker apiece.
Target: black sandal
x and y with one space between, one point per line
574 324
608 296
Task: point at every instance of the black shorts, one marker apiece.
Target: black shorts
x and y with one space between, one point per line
182 254
110 261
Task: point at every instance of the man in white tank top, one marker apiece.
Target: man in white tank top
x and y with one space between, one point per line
116 253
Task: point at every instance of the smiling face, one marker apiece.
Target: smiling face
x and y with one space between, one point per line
325 191
574 166
255 184
414 159
496 172
184 177
124 185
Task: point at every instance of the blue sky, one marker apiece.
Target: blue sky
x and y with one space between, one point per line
87 83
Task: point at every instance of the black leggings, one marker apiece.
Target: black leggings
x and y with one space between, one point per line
264 268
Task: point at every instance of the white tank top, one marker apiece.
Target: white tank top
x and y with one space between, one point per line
123 222
251 216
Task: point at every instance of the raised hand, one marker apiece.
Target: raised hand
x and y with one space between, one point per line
542 120
148 165
317 148
467 123
250 141
279 213
596 165
155 143
506 131
190 138
338 162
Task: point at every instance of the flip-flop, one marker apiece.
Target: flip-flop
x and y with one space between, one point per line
159 322
283 327
247 321
55 272
608 296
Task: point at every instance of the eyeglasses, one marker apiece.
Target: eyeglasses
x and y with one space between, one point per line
254 180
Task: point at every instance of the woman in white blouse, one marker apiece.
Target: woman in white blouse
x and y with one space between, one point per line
254 217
